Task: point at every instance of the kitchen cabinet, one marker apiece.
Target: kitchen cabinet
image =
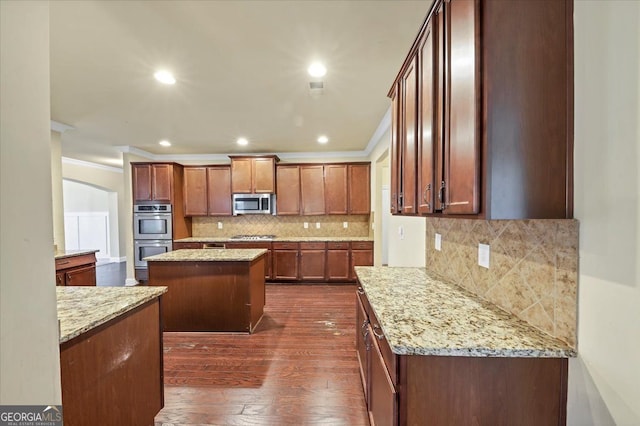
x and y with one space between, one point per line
77 270
312 190
335 188
207 191
486 124
288 190
361 255
285 261
313 261
152 182
253 175
359 178
255 245
181 246
338 261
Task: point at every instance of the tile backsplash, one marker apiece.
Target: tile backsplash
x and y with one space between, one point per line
282 226
533 269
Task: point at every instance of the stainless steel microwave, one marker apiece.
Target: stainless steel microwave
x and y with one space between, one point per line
254 204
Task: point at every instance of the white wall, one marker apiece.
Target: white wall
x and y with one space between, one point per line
607 186
29 356
56 191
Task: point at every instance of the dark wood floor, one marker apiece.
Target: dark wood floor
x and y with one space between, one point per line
298 368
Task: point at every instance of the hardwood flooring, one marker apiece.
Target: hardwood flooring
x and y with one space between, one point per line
298 368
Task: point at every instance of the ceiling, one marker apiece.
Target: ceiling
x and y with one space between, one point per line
240 68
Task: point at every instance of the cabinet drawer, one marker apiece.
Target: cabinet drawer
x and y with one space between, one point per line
180 246
72 262
362 245
312 246
342 245
280 245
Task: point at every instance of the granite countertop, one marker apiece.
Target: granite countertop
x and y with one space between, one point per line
81 309
420 315
73 253
283 239
208 255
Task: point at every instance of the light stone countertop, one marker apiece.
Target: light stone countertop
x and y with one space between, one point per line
420 315
81 309
277 239
208 255
73 253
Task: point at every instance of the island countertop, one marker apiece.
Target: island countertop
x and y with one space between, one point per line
421 315
81 309
208 255
73 253
276 239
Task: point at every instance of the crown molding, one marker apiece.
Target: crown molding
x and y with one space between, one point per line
56 126
73 161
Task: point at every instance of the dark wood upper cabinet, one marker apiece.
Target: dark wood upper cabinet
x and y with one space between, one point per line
288 190
359 188
219 190
335 188
152 182
195 191
253 175
312 189
494 114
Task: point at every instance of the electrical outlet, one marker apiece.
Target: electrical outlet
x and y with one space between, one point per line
306 225
484 252
345 224
219 225
438 242
317 225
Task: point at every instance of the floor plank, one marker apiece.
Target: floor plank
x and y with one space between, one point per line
298 368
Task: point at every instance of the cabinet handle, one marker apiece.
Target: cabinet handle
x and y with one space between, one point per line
441 195
427 189
364 326
360 290
64 263
379 336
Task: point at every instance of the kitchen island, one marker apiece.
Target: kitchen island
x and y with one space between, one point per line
110 354
210 289
432 351
76 267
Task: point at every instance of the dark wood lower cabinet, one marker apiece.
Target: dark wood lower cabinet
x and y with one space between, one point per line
76 270
255 245
338 264
285 261
313 260
453 390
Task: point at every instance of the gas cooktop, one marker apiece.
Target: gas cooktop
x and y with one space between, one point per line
253 237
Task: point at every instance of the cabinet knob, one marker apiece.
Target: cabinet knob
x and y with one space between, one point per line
360 290
380 335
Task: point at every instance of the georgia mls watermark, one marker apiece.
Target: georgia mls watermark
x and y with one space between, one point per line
30 415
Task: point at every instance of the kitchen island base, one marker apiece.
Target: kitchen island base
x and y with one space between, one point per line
214 296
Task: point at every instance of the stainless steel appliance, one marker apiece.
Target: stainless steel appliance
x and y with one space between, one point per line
145 248
254 204
253 237
152 222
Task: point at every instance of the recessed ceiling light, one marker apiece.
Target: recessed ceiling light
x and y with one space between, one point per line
316 69
165 77
242 141
165 143
323 139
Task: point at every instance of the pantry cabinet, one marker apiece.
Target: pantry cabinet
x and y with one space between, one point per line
482 113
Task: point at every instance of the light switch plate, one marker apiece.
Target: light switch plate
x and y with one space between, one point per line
219 225
401 232
306 225
484 252
317 225
438 242
345 224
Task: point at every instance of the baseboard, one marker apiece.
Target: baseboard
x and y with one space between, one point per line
130 282
118 259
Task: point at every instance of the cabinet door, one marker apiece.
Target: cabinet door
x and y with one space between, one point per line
241 176
219 191
264 175
396 152
462 137
383 403
361 255
195 191
362 345
250 245
359 189
141 182
162 179
410 126
338 265
288 190
285 264
312 190
335 188
312 265
81 276
427 98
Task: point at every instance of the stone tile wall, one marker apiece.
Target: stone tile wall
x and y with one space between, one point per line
533 267
282 226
